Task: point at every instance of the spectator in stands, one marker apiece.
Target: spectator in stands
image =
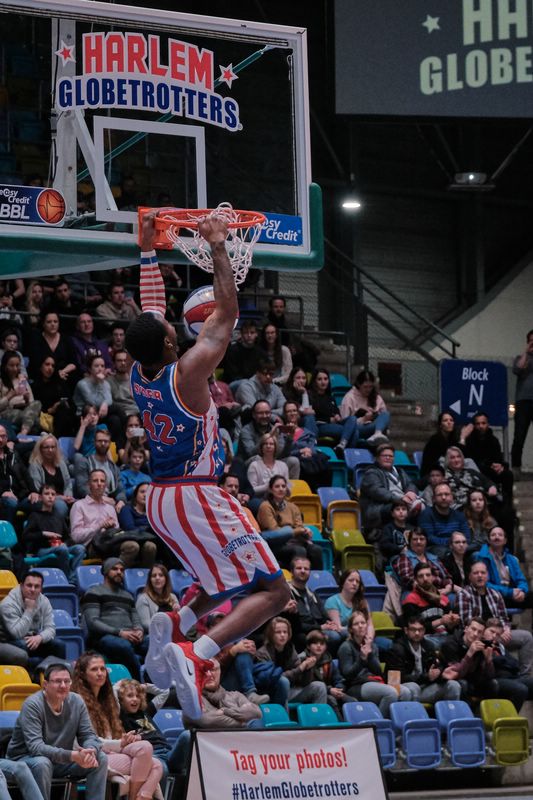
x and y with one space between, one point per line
276 513
34 303
305 609
10 343
57 411
101 460
469 662
505 574
435 476
227 406
339 607
96 390
136 715
440 521
393 539
261 423
8 315
484 448
19 773
277 308
223 709
446 436
132 474
278 353
48 468
295 390
479 518
297 675
84 441
364 403
326 670
327 415
523 369
231 483
477 599
118 337
63 303
462 479
313 462
265 466
511 685
17 404
27 620
46 533
417 553
261 387
14 481
120 385
109 613
458 560
132 516
242 358
156 596
118 305
431 605
86 344
135 437
420 667
382 485
127 753
51 342
359 666
54 737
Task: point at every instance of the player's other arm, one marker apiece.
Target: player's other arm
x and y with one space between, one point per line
151 283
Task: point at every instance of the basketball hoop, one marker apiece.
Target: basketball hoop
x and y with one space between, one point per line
244 228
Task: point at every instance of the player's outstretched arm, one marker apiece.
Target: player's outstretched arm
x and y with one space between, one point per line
151 284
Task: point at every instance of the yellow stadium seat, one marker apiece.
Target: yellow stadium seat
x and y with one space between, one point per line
13 695
299 487
311 508
8 581
343 515
13 674
383 624
508 732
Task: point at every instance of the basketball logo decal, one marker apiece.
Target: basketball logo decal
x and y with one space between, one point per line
51 206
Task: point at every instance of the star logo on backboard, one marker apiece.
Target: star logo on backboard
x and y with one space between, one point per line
227 75
66 53
431 23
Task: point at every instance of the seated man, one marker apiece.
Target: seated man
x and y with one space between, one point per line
86 345
440 521
261 387
94 523
382 485
511 685
261 423
468 661
477 599
305 610
113 625
84 465
242 358
27 620
118 306
54 737
429 605
505 574
419 665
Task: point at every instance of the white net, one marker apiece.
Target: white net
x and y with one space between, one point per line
242 236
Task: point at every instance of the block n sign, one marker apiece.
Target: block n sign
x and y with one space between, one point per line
470 386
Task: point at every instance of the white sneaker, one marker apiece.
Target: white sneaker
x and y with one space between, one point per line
377 438
155 662
187 672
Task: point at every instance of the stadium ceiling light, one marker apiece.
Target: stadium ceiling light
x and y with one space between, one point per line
351 203
471 181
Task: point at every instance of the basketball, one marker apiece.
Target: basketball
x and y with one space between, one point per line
51 206
199 305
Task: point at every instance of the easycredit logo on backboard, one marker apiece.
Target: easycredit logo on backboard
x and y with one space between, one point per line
130 71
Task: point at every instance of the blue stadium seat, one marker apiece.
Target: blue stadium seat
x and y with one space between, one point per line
465 734
326 547
318 715
275 716
420 735
359 713
327 494
88 575
180 580
417 458
53 576
357 455
336 467
135 579
66 444
118 672
170 722
322 583
62 618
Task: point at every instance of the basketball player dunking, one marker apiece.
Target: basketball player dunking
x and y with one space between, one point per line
204 526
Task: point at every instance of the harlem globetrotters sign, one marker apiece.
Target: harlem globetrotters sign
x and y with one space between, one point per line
434 57
147 73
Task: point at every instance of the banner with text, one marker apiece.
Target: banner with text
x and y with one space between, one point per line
270 764
463 58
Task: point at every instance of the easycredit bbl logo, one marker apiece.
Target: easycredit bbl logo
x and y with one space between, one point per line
281 229
29 205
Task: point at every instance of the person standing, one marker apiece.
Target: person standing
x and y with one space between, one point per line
523 369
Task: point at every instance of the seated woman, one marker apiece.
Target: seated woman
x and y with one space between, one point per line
262 468
462 479
135 437
282 526
47 467
137 715
128 756
416 552
84 439
278 353
327 415
368 407
17 404
313 463
447 435
297 677
45 535
296 390
135 471
458 561
96 390
480 521
54 396
10 342
49 341
359 666
156 596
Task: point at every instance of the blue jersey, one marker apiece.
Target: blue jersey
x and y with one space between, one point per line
182 444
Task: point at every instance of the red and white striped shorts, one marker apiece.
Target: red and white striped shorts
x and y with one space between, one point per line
210 534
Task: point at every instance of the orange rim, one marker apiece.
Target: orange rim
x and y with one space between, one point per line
189 217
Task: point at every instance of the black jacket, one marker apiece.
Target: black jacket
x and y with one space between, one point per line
400 657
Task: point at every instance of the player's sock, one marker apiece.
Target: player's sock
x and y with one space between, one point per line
152 285
206 647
